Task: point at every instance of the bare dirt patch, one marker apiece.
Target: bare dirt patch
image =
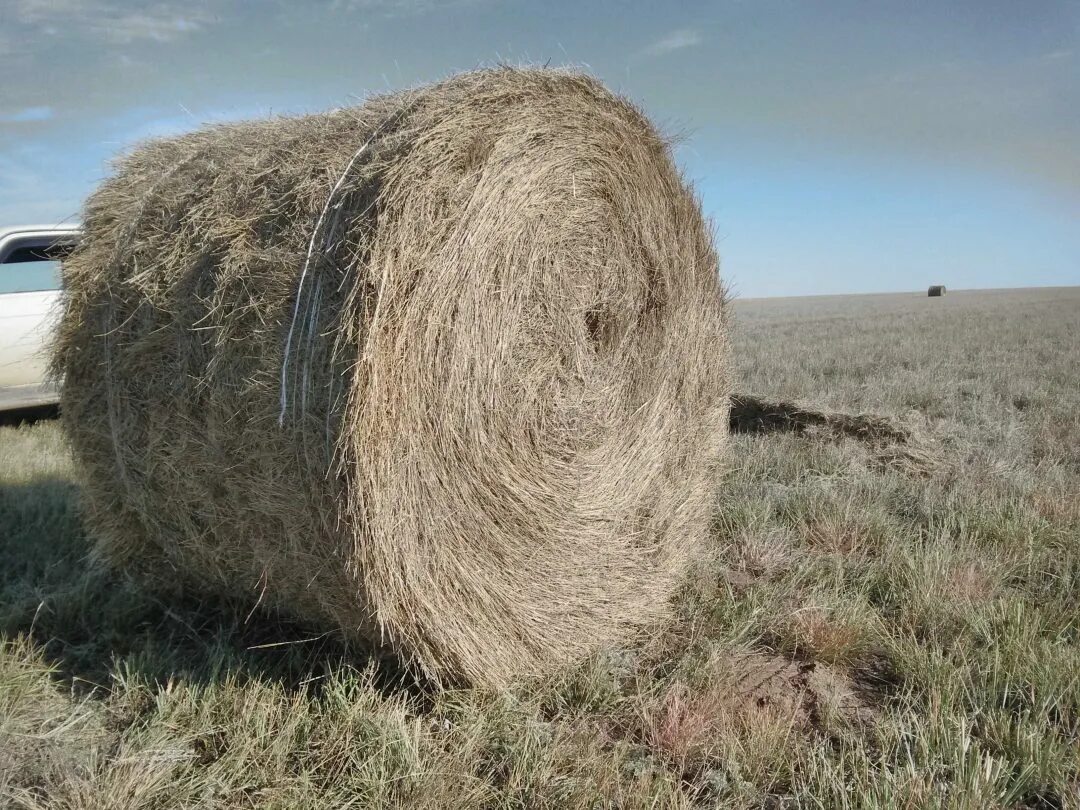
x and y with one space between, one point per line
794 688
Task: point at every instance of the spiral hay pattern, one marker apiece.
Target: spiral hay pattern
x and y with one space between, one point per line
447 371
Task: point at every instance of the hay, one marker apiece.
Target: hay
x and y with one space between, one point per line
936 291
751 414
890 443
447 371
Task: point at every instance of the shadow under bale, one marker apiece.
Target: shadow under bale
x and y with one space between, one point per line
86 617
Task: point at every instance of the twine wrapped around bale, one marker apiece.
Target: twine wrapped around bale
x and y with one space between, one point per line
447 371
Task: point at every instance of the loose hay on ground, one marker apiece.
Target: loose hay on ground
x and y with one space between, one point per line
890 444
447 371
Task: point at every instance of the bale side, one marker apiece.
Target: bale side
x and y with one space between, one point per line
470 409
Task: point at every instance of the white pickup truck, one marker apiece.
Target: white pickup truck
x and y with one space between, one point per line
29 296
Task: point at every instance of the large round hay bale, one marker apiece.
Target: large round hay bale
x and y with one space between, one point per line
447 371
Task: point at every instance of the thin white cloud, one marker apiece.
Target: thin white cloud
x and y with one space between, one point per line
399 8
675 41
32 12
114 20
160 26
27 115
1058 55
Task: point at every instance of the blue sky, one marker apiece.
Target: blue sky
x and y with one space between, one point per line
838 147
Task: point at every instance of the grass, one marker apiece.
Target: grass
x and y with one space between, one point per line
863 634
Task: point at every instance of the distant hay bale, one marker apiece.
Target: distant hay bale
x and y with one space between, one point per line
936 291
447 371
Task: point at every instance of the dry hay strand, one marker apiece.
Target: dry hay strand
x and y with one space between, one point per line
447 371
890 443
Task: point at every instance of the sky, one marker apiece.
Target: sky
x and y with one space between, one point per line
838 147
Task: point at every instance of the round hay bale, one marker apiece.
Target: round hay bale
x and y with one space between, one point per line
936 291
447 371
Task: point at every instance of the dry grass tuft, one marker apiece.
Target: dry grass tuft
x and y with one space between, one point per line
754 699
447 371
970 582
833 531
762 554
749 695
830 636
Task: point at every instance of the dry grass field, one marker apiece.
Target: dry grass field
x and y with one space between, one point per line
881 623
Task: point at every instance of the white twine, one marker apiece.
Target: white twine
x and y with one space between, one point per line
307 264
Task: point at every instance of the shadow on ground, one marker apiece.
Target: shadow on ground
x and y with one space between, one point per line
92 622
28 416
751 414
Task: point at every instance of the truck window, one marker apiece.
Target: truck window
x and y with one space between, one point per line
32 268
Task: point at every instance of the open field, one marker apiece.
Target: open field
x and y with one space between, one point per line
880 625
